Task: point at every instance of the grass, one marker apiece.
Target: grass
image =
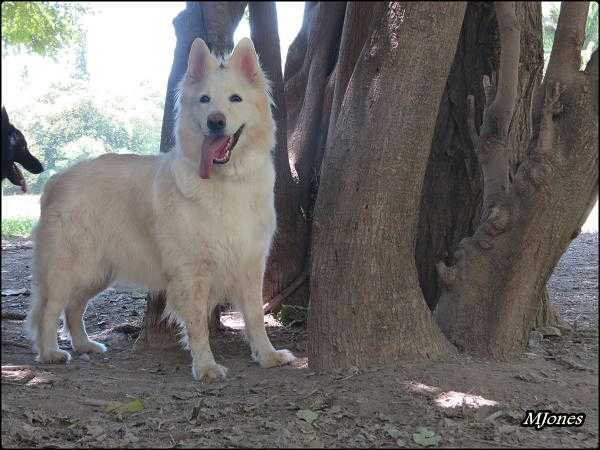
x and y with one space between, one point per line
17 227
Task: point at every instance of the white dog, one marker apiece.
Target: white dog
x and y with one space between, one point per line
197 221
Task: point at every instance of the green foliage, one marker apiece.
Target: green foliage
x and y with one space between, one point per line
72 122
292 315
42 27
18 227
550 21
591 27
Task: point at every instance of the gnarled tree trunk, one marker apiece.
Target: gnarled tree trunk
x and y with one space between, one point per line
285 260
490 296
452 190
308 94
366 304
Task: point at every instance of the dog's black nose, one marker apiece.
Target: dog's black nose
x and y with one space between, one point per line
216 122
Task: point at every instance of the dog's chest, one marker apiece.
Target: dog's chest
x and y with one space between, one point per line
239 221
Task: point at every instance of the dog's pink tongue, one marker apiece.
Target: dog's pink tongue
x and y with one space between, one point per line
210 148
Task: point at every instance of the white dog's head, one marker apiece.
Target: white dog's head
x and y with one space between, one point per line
224 111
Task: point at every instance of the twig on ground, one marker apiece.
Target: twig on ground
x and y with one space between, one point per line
275 301
13 315
15 344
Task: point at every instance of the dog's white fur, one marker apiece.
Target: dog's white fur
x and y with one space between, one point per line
153 221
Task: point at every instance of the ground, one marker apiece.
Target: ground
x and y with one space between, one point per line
461 401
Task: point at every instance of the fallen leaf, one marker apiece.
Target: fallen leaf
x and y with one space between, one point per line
307 415
385 417
528 377
11 292
29 432
426 437
130 407
130 437
94 430
392 431
17 374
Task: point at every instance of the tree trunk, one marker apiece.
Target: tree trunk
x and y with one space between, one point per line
452 190
215 22
491 294
366 305
308 93
285 260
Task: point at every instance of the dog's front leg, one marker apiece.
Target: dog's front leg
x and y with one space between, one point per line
254 319
189 298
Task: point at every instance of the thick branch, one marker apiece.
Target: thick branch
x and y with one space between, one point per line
492 151
220 21
565 58
508 80
552 107
592 71
355 32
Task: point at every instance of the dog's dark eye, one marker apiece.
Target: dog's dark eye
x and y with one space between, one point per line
235 98
204 99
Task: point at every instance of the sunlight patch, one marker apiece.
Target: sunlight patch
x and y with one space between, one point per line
420 387
24 375
452 399
235 320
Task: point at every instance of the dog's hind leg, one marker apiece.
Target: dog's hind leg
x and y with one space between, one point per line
43 317
74 319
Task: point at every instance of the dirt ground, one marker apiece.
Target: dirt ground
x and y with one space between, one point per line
134 398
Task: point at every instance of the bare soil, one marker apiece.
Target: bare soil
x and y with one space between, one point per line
462 401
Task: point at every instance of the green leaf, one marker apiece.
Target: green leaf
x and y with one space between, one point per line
42 27
307 415
426 437
393 432
130 407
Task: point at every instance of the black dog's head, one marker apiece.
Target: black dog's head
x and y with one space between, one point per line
14 150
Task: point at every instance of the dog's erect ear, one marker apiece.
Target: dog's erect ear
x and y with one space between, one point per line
244 59
200 60
4 116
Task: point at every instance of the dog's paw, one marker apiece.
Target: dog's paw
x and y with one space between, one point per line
90 347
276 358
209 372
54 356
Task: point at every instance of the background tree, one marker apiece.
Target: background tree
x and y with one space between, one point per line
491 293
42 27
366 305
452 187
72 121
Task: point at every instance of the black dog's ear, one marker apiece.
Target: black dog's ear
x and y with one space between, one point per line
4 115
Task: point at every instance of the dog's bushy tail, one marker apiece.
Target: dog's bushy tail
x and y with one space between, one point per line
36 300
34 316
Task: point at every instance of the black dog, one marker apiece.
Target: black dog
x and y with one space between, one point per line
14 150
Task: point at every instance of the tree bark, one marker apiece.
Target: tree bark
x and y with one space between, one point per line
490 296
452 190
366 305
284 262
308 94
215 22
